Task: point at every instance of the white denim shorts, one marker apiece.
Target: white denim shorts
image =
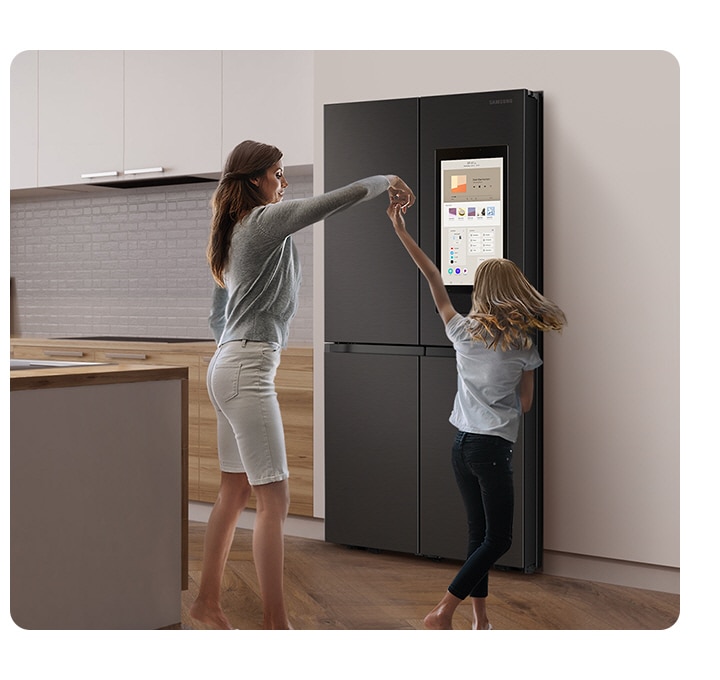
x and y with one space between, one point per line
241 385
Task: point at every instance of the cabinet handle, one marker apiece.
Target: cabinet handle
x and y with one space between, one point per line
93 175
61 353
143 171
122 355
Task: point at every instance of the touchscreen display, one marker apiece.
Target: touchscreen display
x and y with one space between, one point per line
471 221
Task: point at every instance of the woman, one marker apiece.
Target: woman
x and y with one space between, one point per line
257 273
495 362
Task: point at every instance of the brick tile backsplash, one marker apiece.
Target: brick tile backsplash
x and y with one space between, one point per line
126 262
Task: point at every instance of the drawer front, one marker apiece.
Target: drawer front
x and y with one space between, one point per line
52 353
147 355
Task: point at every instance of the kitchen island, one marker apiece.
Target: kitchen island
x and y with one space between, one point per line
98 496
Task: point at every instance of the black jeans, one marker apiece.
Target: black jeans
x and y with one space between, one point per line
483 470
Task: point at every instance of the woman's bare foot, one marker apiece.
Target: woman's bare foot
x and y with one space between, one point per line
214 617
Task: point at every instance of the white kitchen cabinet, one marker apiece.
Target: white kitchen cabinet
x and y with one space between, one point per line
172 112
80 115
116 115
24 120
268 97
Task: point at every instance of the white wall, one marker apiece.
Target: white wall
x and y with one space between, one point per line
612 263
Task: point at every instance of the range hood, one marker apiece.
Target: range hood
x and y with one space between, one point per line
144 177
153 182
127 180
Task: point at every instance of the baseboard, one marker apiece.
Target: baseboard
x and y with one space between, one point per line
615 572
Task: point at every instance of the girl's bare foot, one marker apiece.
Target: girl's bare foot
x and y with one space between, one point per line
480 618
438 619
433 622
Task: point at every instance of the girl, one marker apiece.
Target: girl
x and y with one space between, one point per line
257 273
495 363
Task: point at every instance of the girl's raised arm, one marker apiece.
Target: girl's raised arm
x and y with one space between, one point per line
424 263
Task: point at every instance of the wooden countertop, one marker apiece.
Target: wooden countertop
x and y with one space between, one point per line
70 343
79 376
128 345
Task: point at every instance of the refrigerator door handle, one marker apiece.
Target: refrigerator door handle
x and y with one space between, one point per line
360 348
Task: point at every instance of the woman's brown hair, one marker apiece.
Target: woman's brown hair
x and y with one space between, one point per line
236 195
506 308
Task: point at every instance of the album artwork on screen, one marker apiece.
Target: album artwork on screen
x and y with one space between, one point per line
471 200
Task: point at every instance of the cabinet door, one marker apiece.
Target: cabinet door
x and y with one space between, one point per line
268 96
172 111
80 115
24 120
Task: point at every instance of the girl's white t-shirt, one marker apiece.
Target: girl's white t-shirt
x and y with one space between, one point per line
488 398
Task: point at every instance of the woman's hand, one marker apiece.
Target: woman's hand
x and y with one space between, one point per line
400 192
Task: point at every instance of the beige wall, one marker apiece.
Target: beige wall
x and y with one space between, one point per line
611 261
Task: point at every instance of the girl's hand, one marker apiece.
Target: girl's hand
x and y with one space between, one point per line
395 213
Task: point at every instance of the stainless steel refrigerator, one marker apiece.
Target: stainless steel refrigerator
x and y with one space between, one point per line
390 375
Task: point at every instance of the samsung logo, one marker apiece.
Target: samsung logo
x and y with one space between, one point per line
500 101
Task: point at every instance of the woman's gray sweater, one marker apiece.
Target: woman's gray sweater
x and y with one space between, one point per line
262 277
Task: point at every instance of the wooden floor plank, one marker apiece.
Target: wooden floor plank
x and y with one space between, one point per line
331 587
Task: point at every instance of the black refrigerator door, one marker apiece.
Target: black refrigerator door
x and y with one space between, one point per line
442 521
509 118
371 444
371 285
443 527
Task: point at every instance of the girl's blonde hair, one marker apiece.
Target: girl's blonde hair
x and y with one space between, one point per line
236 195
507 309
